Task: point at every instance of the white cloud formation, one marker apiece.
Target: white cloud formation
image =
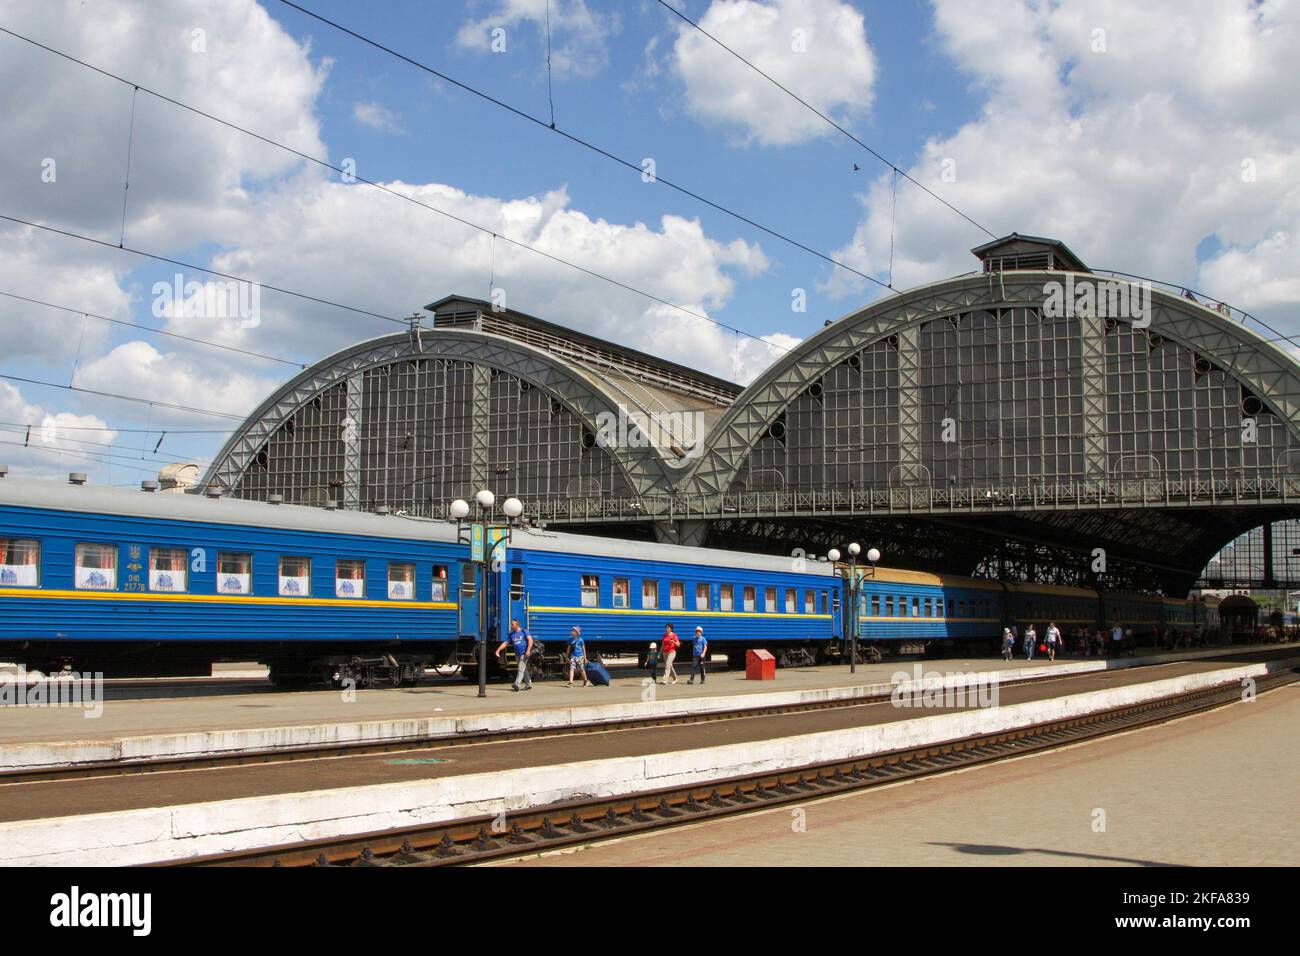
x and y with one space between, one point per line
1131 144
196 185
818 49
377 116
579 36
54 444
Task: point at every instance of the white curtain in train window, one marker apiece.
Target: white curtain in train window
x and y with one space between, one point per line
20 563
96 567
439 583
295 577
350 578
234 573
167 570
401 582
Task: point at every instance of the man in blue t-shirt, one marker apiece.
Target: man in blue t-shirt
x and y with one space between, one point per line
699 648
522 642
577 655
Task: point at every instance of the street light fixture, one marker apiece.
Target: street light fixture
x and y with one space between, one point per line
873 555
479 531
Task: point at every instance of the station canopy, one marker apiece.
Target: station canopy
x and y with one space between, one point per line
1035 419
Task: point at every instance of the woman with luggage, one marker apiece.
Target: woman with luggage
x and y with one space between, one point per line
577 655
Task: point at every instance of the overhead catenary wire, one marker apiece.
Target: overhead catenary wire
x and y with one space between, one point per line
586 144
147 328
123 398
325 164
795 96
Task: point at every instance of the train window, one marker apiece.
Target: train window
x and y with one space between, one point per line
810 602
295 577
727 598
590 590
835 604
875 605
824 603
439 583
516 584
401 581
20 563
916 607
622 590
791 601
889 605
234 573
649 594
676 596
349 578
168 569
96 567
769 599
749 598
701 597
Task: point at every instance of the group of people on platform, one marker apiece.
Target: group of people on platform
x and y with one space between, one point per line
1082 641
576 653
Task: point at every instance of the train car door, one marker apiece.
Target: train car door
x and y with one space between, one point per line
518 597
469 597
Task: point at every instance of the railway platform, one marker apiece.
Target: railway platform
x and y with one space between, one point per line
148 817
267 719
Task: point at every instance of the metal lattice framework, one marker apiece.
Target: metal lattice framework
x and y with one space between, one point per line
965 405
412 421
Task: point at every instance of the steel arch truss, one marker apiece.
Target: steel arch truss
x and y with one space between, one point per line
643 468
1267 372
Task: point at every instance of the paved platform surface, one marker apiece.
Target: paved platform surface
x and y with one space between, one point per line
29 801
1214 789
269 708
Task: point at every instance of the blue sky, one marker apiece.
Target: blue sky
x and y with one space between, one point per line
1131 149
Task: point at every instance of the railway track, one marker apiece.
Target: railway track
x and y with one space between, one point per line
121 768
526 832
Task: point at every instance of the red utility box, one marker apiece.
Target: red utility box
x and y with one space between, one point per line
759 665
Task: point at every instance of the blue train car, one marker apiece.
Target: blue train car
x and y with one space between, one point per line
623 593
124 581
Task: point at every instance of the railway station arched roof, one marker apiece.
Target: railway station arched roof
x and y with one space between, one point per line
947 420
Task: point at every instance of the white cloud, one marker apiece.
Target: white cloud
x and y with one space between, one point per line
1132 155
377 116
579 36
278 221
56 443
818 49
174 379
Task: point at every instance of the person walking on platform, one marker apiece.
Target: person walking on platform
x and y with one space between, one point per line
1116 640
1008 644
577 655
1053 640
522 642
652 661
699 649
1031 638
671 642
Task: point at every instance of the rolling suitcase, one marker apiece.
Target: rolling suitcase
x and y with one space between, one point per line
597 674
